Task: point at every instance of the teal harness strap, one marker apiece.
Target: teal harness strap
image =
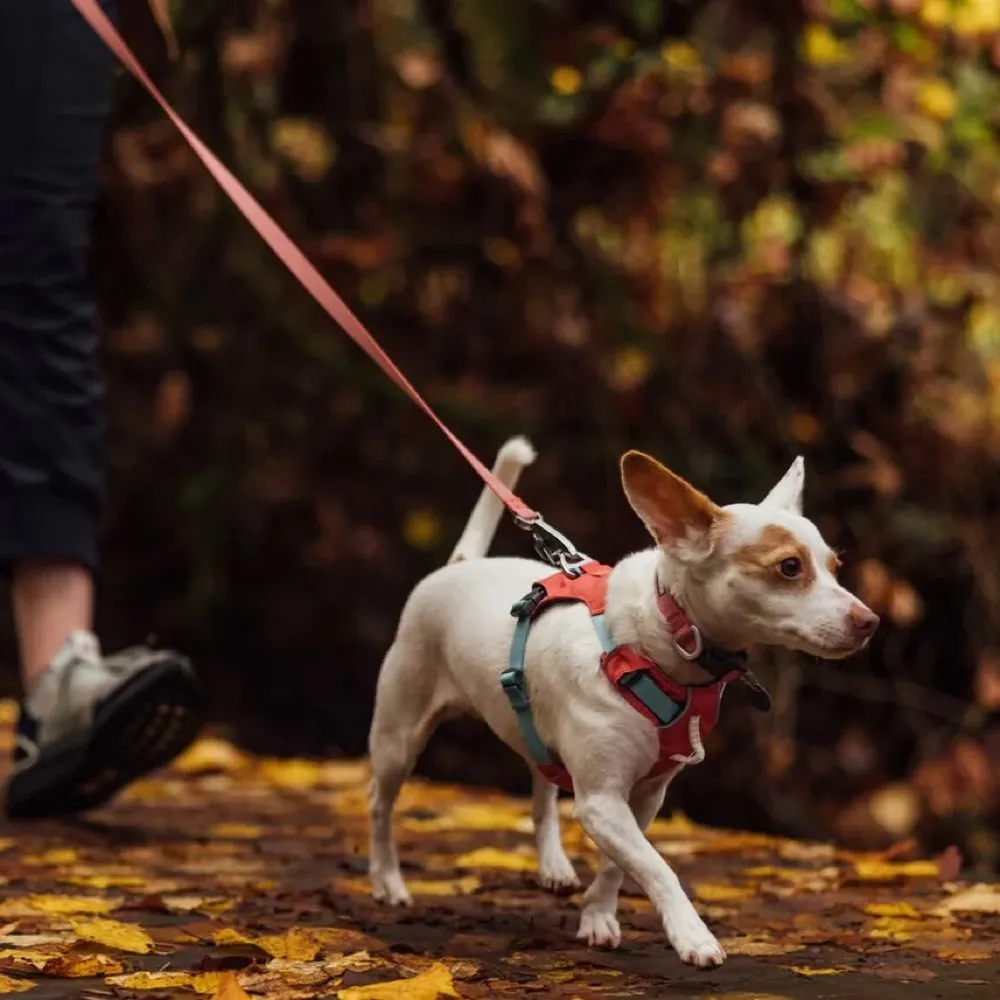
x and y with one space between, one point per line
514 686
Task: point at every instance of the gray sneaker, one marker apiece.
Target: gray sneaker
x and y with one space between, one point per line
92 724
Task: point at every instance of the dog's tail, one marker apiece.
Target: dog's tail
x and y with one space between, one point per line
482 525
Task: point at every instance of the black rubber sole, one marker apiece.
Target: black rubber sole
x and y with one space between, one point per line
140 728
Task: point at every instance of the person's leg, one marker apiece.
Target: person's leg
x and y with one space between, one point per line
89 723
52 600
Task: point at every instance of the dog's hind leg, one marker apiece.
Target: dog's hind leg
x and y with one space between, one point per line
554 869
409 702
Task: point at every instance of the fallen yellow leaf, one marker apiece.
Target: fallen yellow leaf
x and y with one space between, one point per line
294 773
805 970
444 887
346 772
77 965
784 874
34 940
474 816
435 982
296 944
25 959
151 980
893 929
709 893
278 975
114 934
676 825
360 961
10 985
230 989
205 983
104 881
491 857
755 948
235 831
62 905
895 871
209 754
419 887
893 910
57 856
793 850
207 904
229 935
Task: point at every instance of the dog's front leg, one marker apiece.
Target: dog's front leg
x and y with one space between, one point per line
608 820
599 920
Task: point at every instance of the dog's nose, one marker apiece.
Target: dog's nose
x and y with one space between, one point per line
863 621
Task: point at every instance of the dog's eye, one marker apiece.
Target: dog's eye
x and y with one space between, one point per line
790 568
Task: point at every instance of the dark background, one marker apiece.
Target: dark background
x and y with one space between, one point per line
725 232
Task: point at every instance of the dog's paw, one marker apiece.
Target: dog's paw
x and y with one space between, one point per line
557 874
696 945
600 929
389 887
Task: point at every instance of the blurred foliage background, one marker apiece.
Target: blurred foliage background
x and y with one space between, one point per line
725 231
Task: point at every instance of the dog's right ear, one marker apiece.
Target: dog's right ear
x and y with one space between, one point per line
677 515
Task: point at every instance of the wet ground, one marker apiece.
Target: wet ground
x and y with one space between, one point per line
235 876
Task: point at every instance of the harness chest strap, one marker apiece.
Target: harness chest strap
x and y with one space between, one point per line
684 715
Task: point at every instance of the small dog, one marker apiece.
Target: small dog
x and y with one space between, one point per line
744 574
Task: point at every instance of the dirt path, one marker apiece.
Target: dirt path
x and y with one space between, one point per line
257 867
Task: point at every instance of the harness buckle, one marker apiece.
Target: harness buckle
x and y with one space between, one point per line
512 682
528 605
553 546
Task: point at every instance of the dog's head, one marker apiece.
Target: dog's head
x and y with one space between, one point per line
752 573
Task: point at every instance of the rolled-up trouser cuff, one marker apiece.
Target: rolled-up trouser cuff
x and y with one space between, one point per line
39 524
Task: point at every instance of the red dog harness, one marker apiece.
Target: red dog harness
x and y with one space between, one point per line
684 716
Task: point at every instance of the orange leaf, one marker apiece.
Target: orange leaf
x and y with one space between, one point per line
230 989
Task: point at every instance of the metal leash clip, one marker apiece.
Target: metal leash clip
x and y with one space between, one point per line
553 546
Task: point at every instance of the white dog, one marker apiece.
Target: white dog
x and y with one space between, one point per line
743 574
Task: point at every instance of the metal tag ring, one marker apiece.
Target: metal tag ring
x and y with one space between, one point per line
699 645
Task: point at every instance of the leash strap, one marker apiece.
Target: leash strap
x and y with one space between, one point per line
307 275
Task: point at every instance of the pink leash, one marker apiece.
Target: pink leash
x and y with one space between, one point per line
550 544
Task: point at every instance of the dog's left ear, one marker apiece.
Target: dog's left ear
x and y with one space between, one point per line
677 515
787 494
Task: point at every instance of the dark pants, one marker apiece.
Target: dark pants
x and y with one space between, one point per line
55 89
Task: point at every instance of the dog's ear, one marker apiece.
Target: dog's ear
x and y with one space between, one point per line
787 493
677 515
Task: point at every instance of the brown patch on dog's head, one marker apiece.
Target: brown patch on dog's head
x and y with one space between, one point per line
777 557
670 507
